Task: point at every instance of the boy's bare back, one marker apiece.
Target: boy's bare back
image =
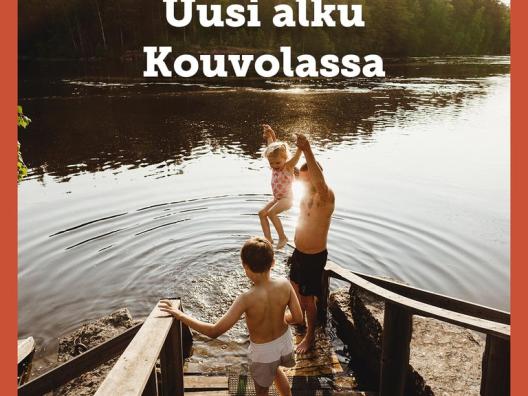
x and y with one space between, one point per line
265 305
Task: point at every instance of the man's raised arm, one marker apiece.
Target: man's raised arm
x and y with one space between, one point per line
316 175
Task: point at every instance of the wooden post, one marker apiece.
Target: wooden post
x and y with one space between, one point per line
397 331
496 367
172 362
151 389
322 301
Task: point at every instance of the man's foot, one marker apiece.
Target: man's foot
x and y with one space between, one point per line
306 344
270 241
282 242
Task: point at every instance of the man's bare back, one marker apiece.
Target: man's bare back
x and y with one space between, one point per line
314 221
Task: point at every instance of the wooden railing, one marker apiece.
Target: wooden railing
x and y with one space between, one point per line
73 368
134 374
159 336
402 302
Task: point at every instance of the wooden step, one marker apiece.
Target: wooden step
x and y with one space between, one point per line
240 384
322 360
208 384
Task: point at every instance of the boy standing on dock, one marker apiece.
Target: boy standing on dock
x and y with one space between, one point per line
309 257
264 304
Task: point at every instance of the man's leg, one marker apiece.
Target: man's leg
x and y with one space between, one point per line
281 383
308 302
296 288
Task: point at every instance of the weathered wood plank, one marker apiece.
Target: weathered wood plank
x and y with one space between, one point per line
25 347
439 300
78 365
205 382
496 367
397 331
321 360
130 374
418 308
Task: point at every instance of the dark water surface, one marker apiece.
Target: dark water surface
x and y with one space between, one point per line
140 189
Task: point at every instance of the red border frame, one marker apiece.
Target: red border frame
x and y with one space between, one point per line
9 231
519 258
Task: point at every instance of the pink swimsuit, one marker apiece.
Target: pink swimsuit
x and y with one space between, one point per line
281 183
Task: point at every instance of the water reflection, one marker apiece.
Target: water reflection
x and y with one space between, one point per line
145 189
102 130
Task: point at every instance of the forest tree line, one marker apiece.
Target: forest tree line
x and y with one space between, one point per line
113 28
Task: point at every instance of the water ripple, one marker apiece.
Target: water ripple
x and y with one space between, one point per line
140 258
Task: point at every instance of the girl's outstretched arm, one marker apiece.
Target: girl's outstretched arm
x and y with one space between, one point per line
269 134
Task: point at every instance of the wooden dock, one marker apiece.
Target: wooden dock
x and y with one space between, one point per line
160 339
317 372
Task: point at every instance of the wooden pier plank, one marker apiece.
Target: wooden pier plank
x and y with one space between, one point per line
131 372
204 382
418 308
79 364
321 360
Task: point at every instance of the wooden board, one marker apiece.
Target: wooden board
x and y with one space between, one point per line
418 308
242 384
321 360
25 347
204 382
131 372
436 299
78 365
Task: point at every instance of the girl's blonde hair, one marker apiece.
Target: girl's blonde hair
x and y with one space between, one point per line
277 148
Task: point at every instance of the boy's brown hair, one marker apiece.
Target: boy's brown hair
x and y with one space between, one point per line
257 254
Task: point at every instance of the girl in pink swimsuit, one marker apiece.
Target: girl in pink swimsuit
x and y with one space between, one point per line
282 168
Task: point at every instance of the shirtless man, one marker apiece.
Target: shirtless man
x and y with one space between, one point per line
264 305
309 258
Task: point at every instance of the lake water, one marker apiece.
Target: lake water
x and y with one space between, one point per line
139 190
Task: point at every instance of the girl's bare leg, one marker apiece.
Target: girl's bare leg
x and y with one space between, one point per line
273 213
281 383
263 215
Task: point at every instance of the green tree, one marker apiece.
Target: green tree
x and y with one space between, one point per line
23 122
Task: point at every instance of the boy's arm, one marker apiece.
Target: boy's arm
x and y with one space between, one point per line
315 172
227 321
293 160
296 315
